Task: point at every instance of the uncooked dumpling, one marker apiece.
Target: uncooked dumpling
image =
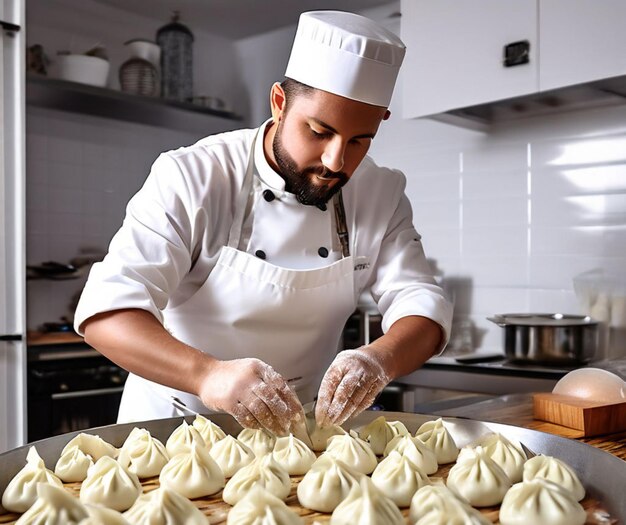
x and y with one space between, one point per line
54 506
231 455
73 465
259 440
398 478
320 435
419 454
353 451
143 455
540 501
210 432
21 492
264 471
181 438
92 445
555 470
103 516
259 507
478 479
326 484
164 507
506 452
110 485
366 505
436 437
379 433
192 474
438 505
293 455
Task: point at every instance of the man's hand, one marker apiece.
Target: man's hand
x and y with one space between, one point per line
350 385
253 393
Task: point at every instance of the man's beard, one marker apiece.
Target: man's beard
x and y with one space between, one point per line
301 182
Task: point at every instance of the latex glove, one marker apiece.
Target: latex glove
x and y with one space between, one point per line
253 393
350 385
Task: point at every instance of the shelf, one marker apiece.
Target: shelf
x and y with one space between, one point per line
103 102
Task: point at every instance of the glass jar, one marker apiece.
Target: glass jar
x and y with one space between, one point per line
176 41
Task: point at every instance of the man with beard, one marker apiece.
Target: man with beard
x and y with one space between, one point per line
242 257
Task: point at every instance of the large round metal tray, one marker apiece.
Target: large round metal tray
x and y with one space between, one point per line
602 474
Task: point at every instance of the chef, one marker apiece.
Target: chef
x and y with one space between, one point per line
242 256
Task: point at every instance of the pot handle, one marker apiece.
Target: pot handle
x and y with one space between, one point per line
500 320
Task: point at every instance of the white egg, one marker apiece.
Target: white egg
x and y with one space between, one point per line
593 384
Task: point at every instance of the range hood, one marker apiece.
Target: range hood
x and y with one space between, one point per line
606 92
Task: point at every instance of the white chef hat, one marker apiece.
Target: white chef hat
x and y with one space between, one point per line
346 54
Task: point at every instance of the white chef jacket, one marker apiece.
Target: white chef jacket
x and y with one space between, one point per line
179 220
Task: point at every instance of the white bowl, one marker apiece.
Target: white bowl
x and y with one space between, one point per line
83 68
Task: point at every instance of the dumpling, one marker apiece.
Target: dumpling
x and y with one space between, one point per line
541 501
103 516
73 465
181 438
210 432
454 515
293 455
555 470
438 505
378 433
436 437
193 474
259 440
54 506
320 435
353 451
366 505
326 484
477 478
143 455
264 471
94 446
259 507
507 453
110 485
231 455
399 479
21 492
419 454
399 427
164 507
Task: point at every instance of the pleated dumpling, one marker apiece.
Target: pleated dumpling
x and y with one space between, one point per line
437 505
143 455
210 432
110 485
320 435
259 507
192 474
379 433
54 506
507 453
478 478
399 479
259 440
293 455
231 455
353 451
366 505
541 501
554 470
181 438
326 484
21 492
103 516
92 445
436 437
164 507
264 471
73 465
419 454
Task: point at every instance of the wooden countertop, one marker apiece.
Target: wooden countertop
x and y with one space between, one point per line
517 409
52 338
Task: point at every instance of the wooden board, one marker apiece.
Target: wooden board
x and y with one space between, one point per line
590 417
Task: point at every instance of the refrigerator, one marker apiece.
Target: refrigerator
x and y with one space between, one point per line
12 226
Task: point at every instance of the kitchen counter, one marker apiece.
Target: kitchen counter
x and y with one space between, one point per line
517 409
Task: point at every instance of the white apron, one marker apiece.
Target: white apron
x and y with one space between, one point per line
247 307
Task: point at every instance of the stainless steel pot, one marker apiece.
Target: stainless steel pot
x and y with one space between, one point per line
548 338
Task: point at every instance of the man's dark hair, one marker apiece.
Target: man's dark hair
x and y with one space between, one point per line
293 89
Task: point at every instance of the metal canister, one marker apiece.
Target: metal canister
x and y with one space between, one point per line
176 42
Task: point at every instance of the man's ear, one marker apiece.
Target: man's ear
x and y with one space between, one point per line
387 115
277 101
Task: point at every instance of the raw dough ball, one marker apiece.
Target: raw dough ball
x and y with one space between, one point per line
259 440
379 432
554 470
143 455
231 455
110 485
353 451
264 471
181 438
419 454
73 465
436 437
398 478
593 384
293 455
164 507
258 507
210 432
